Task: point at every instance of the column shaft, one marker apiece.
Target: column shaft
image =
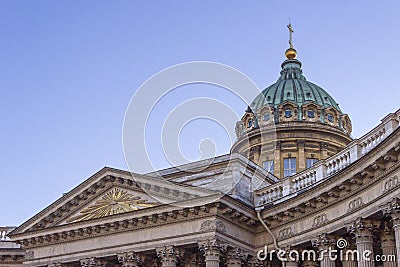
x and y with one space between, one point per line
388 246
212 258
396 228
362 229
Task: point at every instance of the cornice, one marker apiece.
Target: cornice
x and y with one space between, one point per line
336 184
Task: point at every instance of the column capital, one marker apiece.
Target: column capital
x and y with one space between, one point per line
392 209
362 229
324 241
93 262
168 254
211 244
387 234
236 256
129 259
254 262
212 248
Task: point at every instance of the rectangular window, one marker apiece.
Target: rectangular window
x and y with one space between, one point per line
269 166
289 166
310 162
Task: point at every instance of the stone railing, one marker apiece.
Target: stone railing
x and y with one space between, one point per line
323 169
4 230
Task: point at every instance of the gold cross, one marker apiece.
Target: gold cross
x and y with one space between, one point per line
290 34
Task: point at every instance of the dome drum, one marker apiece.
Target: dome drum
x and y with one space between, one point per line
307 124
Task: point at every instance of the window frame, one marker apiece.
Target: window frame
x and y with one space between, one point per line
289 166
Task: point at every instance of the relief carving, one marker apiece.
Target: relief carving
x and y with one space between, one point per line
355 204
212 225
285 233
390 183
29 255
320 220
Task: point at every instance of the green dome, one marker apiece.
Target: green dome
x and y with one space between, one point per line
293 87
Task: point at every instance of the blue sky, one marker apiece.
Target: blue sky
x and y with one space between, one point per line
69 68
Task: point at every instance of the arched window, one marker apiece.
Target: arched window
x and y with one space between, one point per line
288 113
330 117
249 123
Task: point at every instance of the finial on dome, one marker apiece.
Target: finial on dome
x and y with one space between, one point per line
291 52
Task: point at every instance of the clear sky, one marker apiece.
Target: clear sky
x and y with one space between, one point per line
69 68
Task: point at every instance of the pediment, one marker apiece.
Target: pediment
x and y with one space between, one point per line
108 193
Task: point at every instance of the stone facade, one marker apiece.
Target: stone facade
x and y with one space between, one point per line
358 202
230 211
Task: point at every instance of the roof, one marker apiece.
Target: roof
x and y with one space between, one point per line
293 87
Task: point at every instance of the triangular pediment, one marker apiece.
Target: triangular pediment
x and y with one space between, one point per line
109 192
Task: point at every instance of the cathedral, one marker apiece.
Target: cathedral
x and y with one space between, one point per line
302 192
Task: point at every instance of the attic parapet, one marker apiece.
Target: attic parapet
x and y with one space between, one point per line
290 186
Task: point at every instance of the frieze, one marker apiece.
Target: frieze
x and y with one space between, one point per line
212 225
29 255
285 233
355 204
320 220
390 183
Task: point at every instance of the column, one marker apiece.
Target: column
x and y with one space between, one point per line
191 261
254 262
212 251
310 263
348 260
362 229
289 264
93 262
326 248
292 259
168 255
393 209
388 244
235 257
129 259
